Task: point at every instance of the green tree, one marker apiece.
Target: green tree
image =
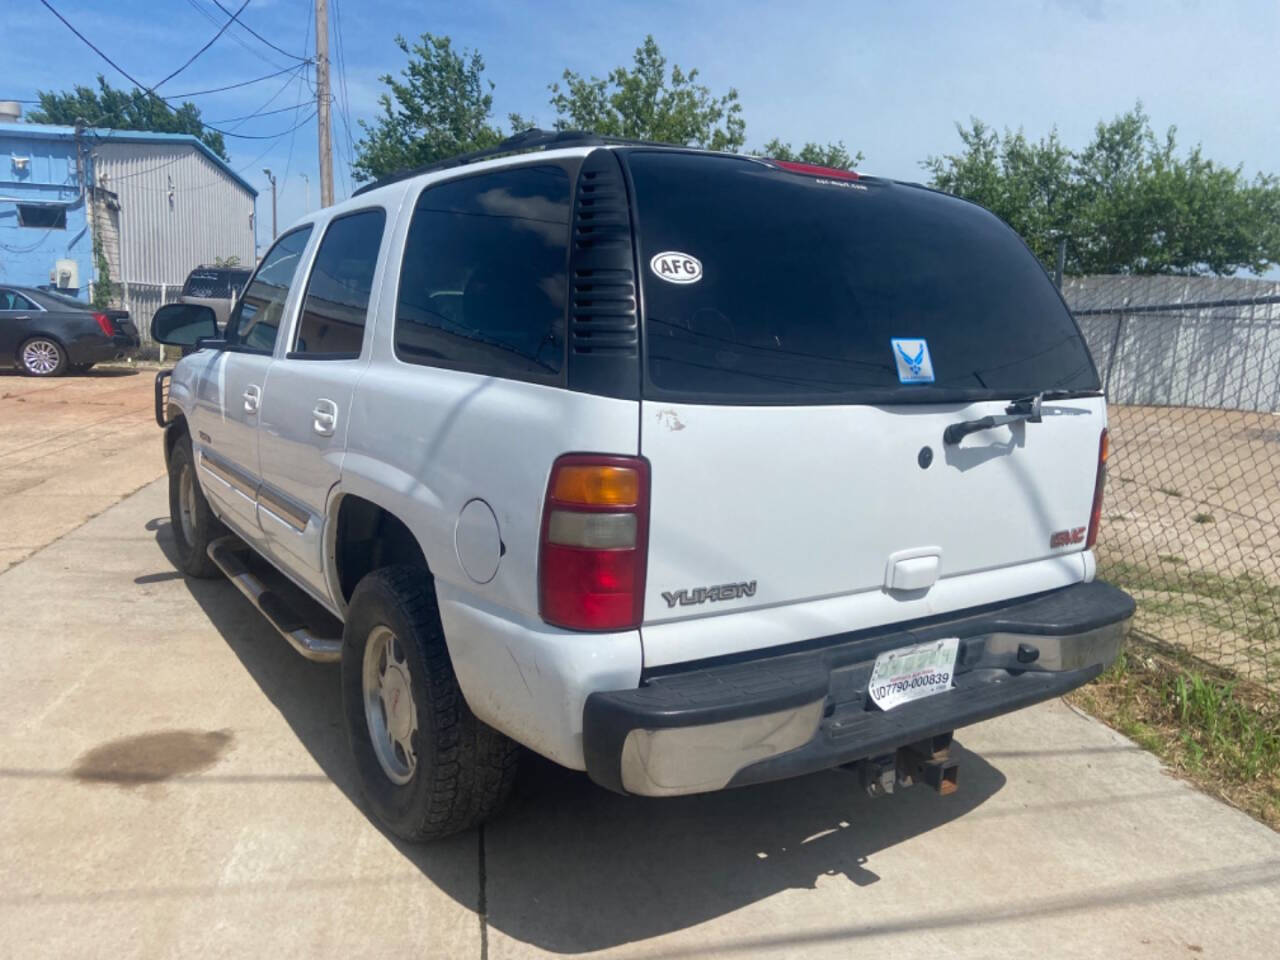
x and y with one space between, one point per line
1127 202
111 108
647 103
835 155
439 107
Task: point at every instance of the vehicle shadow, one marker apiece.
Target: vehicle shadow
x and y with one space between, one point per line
97 373
570 867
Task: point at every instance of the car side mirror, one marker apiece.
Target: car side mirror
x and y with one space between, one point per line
184 324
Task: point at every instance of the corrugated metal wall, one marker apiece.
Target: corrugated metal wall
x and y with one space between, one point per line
1182 341
178 210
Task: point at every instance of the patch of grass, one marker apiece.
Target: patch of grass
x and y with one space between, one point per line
1246 605
1202 518
1170 492
1170 558
1200 722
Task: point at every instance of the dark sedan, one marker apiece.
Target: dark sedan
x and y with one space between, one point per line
45 334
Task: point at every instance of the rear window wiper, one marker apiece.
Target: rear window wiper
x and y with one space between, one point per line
1025 409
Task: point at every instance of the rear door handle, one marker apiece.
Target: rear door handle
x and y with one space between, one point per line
324 418
252 398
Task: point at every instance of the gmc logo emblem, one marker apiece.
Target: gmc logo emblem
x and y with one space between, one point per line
1065 538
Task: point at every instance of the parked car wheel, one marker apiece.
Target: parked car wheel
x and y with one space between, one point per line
42 357
428 766
192 521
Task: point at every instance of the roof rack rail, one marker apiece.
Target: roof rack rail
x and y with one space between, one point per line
531 139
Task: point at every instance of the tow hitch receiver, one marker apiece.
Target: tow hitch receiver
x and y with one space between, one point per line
925 761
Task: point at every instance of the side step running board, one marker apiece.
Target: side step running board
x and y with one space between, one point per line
228 553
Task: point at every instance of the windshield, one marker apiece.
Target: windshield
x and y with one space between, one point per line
214 283
800 288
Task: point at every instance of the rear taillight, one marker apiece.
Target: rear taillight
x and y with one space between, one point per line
593 553
105 323
1095 518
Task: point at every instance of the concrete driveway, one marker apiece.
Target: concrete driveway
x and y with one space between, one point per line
174 781
69 448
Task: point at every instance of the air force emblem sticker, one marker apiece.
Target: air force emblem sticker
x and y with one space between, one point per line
912 358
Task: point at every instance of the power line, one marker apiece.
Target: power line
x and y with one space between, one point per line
288 163
89 43
257 113
345 105
260 36
212 40
150 91
243 43
230 86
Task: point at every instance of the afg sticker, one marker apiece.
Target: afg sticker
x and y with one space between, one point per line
676 267
914 363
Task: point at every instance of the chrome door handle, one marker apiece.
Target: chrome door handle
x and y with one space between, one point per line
324 418
252 398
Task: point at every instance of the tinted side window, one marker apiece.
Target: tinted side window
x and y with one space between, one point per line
256 319
337 301
484 276
12 300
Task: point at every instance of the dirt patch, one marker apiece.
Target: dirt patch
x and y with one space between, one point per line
1191 519
152 757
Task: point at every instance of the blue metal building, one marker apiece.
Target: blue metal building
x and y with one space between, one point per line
142 209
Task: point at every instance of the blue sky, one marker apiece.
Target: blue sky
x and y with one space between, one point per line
890 79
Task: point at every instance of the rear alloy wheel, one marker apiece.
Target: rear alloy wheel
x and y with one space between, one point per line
42 357
428 766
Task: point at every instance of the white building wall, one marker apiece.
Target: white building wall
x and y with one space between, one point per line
178 210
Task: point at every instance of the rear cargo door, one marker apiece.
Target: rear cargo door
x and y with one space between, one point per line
808 340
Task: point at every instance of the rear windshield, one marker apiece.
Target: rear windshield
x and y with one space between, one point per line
768 286
215 284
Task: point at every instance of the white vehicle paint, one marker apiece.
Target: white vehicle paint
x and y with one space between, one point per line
770 522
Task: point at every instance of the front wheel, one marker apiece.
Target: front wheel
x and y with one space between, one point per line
42 357
429 768
192 521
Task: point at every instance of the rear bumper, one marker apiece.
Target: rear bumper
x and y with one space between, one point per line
797 712
99 349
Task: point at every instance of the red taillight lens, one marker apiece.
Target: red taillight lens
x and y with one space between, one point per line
105 323
594 547
817 171
1095 518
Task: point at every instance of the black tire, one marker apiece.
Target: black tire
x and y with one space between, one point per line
464 768
193 537
42 357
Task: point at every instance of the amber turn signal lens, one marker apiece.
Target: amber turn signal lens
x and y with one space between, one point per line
597 486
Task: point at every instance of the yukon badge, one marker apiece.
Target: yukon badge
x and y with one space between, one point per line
726 591
676 267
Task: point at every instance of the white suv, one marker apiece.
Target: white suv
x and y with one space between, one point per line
686 469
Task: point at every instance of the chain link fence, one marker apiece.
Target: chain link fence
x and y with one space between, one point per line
1191 517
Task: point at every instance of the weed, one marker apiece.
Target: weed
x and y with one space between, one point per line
1202 518
1199 721
1171 558
1170 492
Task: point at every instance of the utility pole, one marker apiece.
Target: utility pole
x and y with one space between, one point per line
307 181
322 102
271 177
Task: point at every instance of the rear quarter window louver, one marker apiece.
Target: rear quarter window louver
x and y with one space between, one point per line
603 325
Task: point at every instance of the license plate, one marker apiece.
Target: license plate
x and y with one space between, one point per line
911 673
